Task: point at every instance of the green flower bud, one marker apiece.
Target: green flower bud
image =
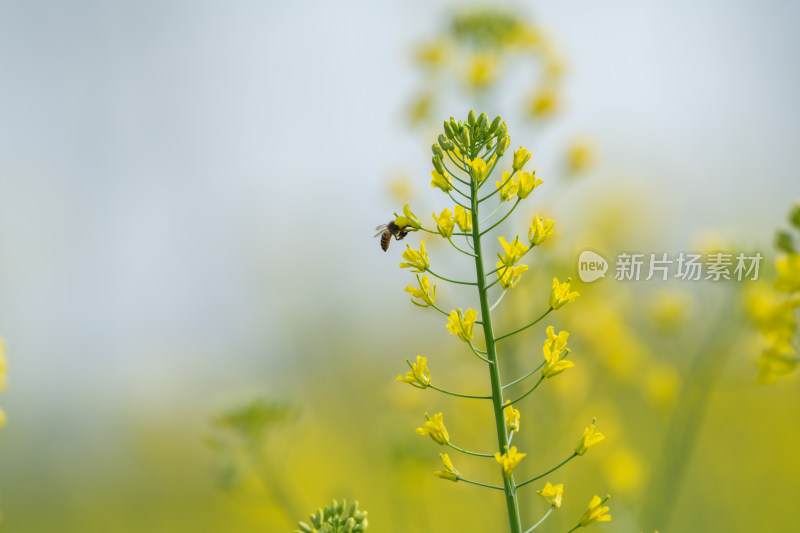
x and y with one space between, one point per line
442 141
503 145
495 124
784 241
483 122
304 528
438 165
448 130
490 144
437 151
465 138
794 215
471 117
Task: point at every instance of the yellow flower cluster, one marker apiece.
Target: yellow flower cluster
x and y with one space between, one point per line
509 460
434 428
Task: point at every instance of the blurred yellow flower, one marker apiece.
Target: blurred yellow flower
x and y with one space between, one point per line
441 181
449 471
461 325
527 182
408 219
432 54
445 223
434 428
481 71
512 251
426 292
596 512
788 267
401 188
561 294
508 187
543 102
552 494
417 260
624 470
589 439
776 362
521 156
510 276
479 169
418 376
512 417
580 155
509 460
555 349
421 107
463 218
540 230
662 383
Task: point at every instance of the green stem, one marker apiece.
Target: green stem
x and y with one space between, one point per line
465 480
432 273
509 488
540 476
537 524
459 249
525 327
502 219
434 387
512 402
462 450
574 528
526 376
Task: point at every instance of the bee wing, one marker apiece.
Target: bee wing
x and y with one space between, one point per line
380 229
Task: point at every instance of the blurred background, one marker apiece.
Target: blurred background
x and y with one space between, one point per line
202 334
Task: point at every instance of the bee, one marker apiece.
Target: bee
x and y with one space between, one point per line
389 230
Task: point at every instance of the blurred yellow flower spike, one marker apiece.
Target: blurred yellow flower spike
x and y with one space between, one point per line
445 223
776 362
788 267
508 187
407 219
540 230
596 512
580 155
510 276
512 251
521 156
441 180
543 102
479 169
561 294
461 324
512 417
552 494
434 428
417 261
509 460
463 218
449 471
555 349
418 376
426 292
589 439
527 183
481 71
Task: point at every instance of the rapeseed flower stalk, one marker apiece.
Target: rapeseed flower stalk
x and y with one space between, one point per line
464 157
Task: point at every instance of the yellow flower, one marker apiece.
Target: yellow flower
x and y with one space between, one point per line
445 223
449 471
589 439
512 417
508 187
527 182
555 349
509 460
462 325
561 295
407 219
788 267
435 429
543 102
463 218
418 376
579 156
776 362
552 494
513 250
417 260
509 276
596 512
481 71
521 156
441 181
426 293
479 169
540 230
